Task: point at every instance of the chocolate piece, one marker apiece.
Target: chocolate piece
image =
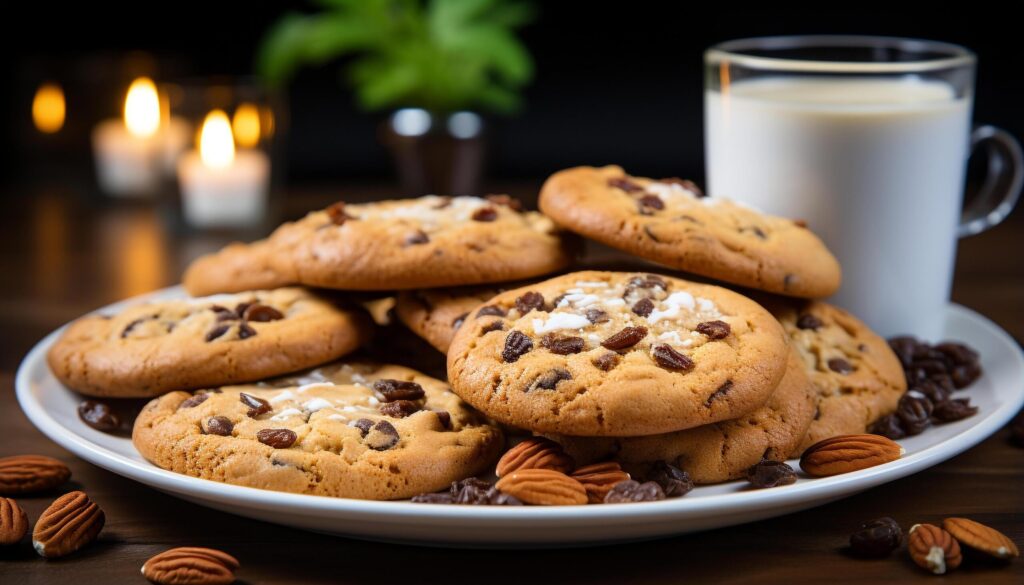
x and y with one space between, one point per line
494 310
633 491
390 390
277 438
714 329
416 238
877 538
217 332
550 380
262 313
529 301
382 436
840 366
399 408
673 481
769 474
193 401
671 359
643 307
98 415
625 184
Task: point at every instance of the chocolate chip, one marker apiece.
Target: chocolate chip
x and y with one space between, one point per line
416 238
257 406
595 315
877 538
219 425
671 359
277 438
445 418
336 212
840 366
889 427
245 331
529 301
391 390
915 412
506 200
808 321
241 308
562 345
516 344
714 329
470 483
954 410
98 416
719 392
629 491
476 492
625 184
261 314
217 332
606 362
382 436
648 281
628 337
485 214
643 307
193 401
497 325
650 202
769 474
458 321
364 425
673 481
399 408
131 326
685 184
441 498
550 380
223 313
494 310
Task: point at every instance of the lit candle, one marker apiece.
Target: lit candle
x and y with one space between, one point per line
126 151
221 187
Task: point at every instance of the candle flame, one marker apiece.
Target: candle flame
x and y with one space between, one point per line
142 108
216 145
48 108
246 125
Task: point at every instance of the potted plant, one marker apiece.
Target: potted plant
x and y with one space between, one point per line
436 65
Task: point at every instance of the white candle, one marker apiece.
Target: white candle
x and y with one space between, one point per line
127 150
220 187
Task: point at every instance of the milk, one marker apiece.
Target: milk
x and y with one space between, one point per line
875 166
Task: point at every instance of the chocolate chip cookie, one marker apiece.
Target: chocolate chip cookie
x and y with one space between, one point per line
672 223
427 242
858 377
721 451
435 314
617 354
357 430
152 348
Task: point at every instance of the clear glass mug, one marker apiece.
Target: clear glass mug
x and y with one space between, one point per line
867 139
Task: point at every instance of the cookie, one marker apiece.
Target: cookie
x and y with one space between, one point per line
857 376
672 223
427 242
377 432
152 348
721 451
435 314
617 354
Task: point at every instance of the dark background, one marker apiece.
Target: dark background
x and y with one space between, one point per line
614 83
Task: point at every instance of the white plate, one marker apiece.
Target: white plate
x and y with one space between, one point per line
999 395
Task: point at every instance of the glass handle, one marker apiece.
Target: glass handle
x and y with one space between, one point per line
1001 188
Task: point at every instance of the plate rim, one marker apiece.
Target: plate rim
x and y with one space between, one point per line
820 489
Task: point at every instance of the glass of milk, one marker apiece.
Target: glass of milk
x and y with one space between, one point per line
867 139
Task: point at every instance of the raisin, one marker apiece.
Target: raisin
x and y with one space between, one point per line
768 474
915 412
888 426
551 379
99 416
671 359
529 301
262 313
391 390
714 329
954 410
399 408
633 491
277 438
643 307
595 315
257 406
516 344
877 538
485 214
628 337
840 366
219 425
673 481
625 184
562 345
441 498
494 310
607 362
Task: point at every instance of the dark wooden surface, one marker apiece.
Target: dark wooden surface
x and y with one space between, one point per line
61 256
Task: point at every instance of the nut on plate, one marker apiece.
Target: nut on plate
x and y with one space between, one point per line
13 522
847 453
599 479
535 453
981 538
189 565
544 487
933 549
24 474
71 522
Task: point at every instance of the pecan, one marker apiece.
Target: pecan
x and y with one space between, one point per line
847 453
535 453
981 538
192 566
877 538
671 359
71 522
629 491
599 479
544 487
933 549
13 522
628 337
516 344
23 474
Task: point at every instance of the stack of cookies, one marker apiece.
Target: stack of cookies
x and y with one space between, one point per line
250 385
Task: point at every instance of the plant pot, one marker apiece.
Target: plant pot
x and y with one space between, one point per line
439 154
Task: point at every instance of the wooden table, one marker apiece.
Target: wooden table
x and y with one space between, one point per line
62 256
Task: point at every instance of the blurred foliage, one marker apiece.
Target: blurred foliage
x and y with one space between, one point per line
440 55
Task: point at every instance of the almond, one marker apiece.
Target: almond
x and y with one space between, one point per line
13 522
544 487
980 537
847 453
599 479
71 522
535 453
188 565
23 474
933 549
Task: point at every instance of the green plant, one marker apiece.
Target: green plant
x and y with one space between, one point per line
441 55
